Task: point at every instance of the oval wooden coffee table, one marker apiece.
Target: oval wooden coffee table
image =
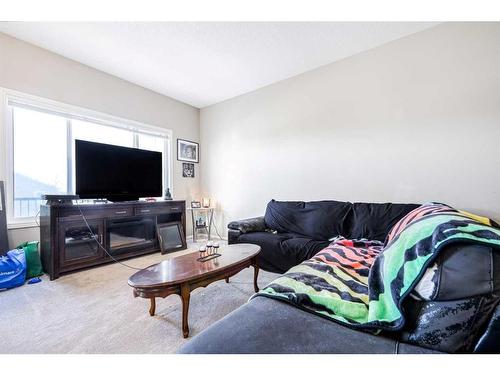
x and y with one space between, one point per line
180 275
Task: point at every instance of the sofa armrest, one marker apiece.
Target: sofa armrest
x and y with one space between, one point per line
489 342
255 224
232 236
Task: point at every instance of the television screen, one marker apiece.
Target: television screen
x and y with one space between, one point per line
116 173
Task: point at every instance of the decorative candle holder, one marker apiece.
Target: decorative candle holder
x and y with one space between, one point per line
205 202
210 251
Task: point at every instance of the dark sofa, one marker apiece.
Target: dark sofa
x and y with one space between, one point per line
291 232
463 316
266 326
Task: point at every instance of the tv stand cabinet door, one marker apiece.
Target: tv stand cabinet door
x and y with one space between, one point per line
78 246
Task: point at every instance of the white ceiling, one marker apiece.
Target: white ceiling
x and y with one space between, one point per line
205 63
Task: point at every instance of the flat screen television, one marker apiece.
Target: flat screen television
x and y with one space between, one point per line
116 173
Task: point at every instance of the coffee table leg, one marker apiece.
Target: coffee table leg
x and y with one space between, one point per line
185 292
153 306
255 275
227 280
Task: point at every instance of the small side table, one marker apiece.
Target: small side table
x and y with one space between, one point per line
207 227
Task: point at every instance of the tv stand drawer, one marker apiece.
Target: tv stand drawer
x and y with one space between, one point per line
105 212
121 211
157 209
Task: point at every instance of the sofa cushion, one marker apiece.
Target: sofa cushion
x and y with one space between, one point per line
281 251
268 326
461 270
374 220
319 220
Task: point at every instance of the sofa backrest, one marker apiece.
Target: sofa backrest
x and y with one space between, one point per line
322 220
374 220
319 220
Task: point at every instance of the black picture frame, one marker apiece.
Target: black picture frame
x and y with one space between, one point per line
183 146
171 244
188 170
195 204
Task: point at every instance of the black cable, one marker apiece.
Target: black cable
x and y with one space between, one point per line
36 218
100 245
215 226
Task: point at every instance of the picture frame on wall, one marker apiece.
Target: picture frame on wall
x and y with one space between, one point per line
188 170
188 151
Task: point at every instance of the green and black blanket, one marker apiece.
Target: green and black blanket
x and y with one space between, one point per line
363 283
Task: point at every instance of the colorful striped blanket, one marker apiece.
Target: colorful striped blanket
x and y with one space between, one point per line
363 283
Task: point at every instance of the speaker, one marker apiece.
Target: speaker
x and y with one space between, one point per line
4 241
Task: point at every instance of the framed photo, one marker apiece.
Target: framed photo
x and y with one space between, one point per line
171 237
195 204
188 151
188 170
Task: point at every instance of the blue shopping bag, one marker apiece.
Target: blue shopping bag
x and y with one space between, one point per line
12 269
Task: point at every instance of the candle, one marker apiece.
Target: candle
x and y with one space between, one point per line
209 248
205 202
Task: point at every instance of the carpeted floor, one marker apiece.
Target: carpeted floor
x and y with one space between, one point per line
93 311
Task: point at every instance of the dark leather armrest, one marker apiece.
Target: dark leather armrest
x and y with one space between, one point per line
489 342
255 224
232 236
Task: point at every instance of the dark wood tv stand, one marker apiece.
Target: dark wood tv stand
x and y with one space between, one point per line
124 229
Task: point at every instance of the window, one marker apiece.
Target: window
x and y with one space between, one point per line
41 158
38 169
89 131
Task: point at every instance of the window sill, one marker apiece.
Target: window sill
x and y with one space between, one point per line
21 225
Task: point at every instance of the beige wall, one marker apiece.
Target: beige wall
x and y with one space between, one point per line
415 120
32 70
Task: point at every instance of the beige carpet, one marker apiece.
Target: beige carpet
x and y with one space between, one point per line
93 311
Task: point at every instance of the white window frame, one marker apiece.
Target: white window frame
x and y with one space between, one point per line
69 111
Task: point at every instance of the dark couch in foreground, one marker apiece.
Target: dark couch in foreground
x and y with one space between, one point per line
463 315
266 326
